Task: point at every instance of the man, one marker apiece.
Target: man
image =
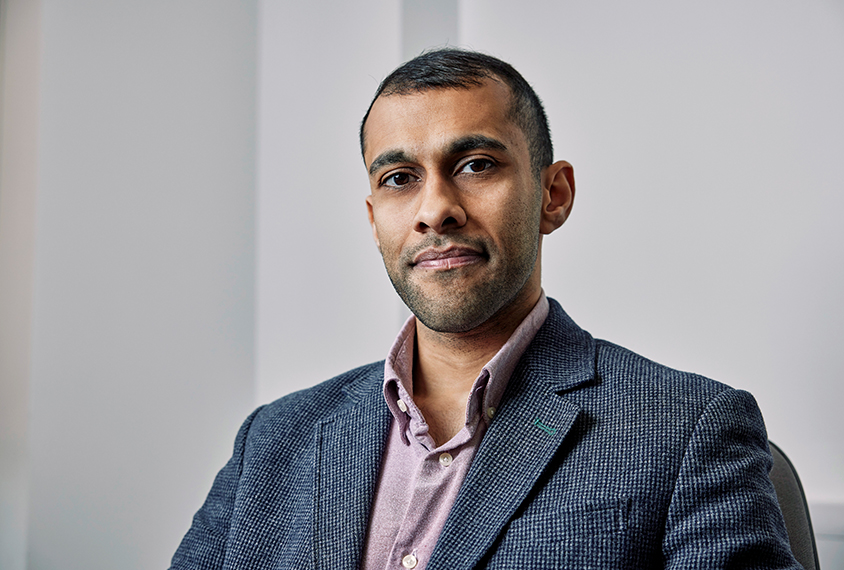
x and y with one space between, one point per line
497 434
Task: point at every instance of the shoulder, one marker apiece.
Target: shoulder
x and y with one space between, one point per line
605 370
306 407
626 368
633 383
636 398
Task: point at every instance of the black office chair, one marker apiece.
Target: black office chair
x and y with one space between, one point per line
795 511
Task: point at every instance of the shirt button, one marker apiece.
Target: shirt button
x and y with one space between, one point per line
445 459
409 561
402 405
490 412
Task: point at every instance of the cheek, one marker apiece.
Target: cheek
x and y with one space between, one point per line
520 234
518 218
388 241
392 224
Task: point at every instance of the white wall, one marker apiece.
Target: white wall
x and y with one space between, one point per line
19 73
324 303
142 331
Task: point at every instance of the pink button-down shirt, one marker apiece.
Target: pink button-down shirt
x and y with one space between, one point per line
419 481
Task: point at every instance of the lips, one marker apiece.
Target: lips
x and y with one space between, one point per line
448 258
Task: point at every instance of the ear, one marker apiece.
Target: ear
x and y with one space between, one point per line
557 195
371 216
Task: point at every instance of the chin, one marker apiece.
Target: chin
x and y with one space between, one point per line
458 313
446 324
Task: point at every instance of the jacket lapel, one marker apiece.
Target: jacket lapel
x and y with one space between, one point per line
529 428
348 447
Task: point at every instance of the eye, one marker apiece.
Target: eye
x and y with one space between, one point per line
475 166
398 180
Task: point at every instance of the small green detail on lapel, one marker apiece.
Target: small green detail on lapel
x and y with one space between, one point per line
543 427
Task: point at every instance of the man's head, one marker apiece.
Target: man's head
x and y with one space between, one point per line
451 68
458 206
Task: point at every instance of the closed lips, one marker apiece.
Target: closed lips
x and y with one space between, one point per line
446 259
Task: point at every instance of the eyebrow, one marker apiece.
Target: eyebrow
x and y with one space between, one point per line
461 145
475 142
387 158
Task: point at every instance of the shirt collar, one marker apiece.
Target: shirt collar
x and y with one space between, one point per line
487 389
501 366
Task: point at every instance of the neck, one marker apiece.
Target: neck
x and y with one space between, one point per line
447 364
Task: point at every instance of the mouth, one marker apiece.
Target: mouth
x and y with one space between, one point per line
448 258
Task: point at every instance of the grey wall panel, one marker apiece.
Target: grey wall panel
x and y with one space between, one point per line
143 326
324 302
426 24
20 40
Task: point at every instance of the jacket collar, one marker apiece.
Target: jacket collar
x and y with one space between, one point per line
562 354
348 449
530 426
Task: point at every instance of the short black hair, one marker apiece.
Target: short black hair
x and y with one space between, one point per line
453 68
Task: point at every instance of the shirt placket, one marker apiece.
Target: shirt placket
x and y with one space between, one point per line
437 471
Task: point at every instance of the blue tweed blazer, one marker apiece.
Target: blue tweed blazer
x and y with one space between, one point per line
597 458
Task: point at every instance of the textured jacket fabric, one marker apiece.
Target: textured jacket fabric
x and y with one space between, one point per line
597 458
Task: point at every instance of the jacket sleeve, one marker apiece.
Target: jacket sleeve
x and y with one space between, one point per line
724 511
204 545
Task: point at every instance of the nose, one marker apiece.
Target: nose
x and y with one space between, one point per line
439 209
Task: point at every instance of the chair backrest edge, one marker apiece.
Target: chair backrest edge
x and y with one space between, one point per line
780 456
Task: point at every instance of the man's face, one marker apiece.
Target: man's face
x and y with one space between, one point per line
455 206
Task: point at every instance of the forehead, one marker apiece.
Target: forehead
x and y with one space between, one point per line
428 120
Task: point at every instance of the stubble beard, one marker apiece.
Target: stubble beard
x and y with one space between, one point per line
459 307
